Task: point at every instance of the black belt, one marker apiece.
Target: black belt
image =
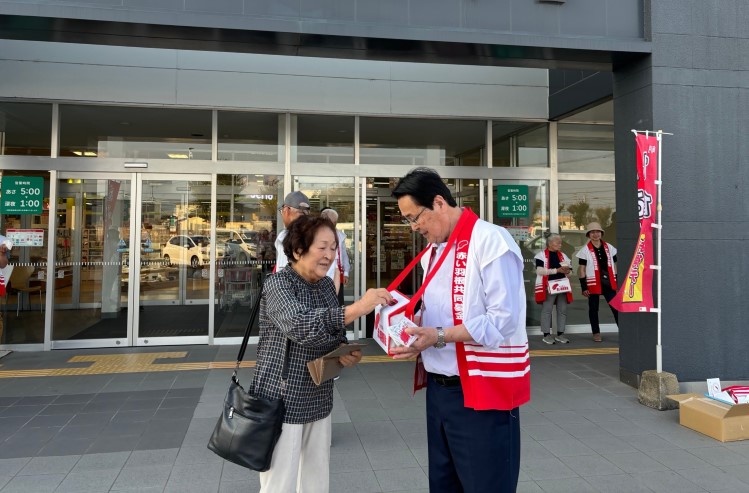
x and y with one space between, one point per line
444 380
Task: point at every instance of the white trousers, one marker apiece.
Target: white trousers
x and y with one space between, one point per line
301 460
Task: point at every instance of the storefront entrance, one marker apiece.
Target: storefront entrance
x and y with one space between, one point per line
132 260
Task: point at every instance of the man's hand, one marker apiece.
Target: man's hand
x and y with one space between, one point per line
345 280
426 337
586 293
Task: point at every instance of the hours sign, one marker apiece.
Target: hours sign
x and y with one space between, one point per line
512 201
22 195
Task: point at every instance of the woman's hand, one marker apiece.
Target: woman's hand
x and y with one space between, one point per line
374 297
564 270
350 359
366 304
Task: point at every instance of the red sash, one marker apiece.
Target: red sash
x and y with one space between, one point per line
462 230
340 266
542 290
491 378
594 284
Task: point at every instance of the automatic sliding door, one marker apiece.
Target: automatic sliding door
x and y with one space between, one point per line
174 285
91 283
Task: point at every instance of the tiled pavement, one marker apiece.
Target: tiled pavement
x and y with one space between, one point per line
583 431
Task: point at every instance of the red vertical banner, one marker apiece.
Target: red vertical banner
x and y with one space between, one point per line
636 289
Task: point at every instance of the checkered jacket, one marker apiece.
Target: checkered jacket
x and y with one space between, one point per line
309 316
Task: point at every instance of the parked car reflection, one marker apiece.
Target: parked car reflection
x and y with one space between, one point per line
187 250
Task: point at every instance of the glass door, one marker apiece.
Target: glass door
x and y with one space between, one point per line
174 238
92 221
390 246
99 218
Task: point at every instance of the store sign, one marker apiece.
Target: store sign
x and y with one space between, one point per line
22 195
512 201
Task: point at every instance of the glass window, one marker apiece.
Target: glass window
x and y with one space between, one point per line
323 139
249 137
585 148
134 133
246 231
581 202
24 276
415 142
25 129
522 207
520 144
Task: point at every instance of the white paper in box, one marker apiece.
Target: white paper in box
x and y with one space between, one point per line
387 315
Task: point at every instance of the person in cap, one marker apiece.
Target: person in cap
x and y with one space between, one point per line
294 206
471 340
597 273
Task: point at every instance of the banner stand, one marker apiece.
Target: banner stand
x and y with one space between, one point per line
656 385
657 230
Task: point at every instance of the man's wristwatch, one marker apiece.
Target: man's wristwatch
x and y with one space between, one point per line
440 338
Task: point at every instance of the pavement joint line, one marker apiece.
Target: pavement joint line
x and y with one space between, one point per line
105 364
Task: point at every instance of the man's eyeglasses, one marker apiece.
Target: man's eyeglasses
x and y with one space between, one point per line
303 211
415 219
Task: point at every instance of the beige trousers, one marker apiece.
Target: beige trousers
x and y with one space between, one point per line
301 460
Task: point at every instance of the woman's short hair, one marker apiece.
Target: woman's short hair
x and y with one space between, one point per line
330 214
301 234
552 237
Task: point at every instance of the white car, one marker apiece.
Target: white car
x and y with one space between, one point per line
193 250
239 246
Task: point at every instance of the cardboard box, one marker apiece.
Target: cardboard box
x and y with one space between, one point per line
386 316
713 418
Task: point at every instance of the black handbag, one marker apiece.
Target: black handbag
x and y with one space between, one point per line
250 426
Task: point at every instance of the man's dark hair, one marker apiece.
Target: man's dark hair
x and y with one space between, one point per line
423 184
301 234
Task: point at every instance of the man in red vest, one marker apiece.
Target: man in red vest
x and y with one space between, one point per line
471 339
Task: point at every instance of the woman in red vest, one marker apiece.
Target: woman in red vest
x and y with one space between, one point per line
597 274
553 265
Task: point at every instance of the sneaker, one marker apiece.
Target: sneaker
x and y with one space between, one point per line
561 339
597 338
548 339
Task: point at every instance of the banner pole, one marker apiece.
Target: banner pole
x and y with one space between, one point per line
659 272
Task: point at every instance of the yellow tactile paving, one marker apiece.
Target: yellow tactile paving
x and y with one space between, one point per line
103 364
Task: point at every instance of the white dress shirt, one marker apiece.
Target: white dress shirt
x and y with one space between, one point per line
342 254
281 259
490 328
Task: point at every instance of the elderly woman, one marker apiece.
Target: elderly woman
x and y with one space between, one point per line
299 305
552 264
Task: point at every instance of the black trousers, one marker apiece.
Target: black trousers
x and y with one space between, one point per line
593 303
470 451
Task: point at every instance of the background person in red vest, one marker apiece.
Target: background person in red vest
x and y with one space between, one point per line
5 247
552 264
597 273
472 340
